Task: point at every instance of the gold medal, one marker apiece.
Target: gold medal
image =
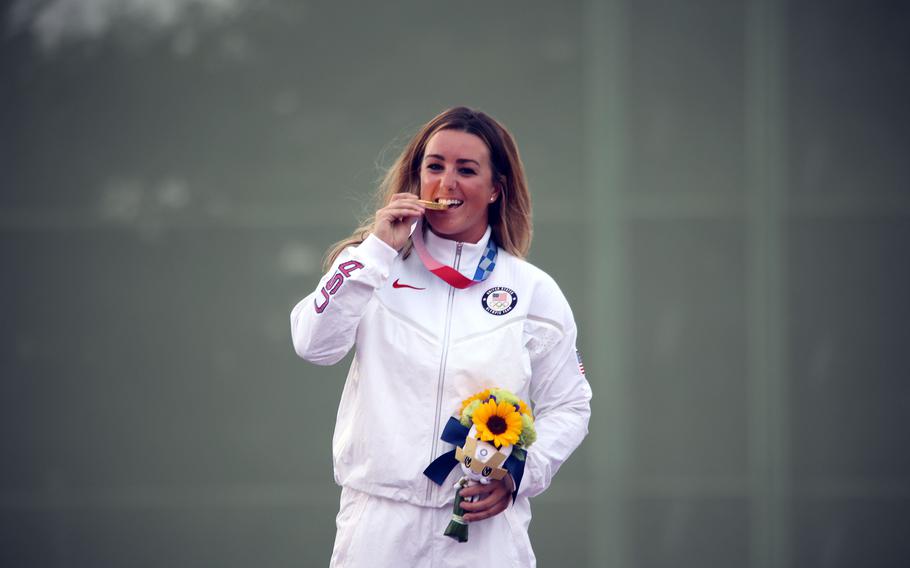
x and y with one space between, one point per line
432 205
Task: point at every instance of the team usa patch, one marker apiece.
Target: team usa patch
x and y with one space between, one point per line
581 365
499 300
335 283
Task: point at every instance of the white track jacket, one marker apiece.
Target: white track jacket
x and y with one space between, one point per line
423 346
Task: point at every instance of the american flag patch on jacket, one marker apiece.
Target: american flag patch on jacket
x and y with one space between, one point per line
581 365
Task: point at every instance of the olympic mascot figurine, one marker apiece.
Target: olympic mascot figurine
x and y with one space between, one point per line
491 432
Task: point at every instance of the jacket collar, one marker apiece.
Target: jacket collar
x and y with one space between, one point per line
444 250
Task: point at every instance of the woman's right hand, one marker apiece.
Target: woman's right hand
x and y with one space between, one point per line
393 222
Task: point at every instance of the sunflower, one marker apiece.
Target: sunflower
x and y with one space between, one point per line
482 395
498 423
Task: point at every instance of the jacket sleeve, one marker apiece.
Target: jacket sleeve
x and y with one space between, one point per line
324 324
561 397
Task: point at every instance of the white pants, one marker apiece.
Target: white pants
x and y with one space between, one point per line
378 532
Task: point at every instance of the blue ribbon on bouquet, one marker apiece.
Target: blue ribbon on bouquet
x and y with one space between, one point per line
456 433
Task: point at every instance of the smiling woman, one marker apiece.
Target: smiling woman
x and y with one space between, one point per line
427 336
456 171
490 159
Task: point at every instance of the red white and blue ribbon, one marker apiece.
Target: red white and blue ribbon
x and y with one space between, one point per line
450 275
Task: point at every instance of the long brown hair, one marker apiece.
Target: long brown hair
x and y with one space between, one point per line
509 216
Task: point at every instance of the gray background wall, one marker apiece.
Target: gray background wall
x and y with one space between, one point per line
721 189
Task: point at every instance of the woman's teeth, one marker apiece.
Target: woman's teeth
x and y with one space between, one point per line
450 202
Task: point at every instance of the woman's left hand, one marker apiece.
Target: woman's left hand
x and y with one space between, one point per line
496 500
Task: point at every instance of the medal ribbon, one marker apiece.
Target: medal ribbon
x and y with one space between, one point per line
449 274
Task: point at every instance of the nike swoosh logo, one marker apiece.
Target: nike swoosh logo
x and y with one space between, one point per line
397 284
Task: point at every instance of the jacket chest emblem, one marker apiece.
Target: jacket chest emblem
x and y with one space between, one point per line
499 300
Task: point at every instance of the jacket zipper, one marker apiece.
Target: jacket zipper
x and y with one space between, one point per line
441 380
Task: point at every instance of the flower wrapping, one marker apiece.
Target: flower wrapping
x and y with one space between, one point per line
492 432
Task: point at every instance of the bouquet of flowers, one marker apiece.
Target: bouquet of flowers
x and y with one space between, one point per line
492 432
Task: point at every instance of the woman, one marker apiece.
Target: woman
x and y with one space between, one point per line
459 313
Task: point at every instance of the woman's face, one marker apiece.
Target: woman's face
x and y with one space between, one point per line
456 167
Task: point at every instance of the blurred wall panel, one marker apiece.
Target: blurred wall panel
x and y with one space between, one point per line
686 270
849 84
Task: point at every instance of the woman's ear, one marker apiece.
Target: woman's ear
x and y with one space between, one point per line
497 191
